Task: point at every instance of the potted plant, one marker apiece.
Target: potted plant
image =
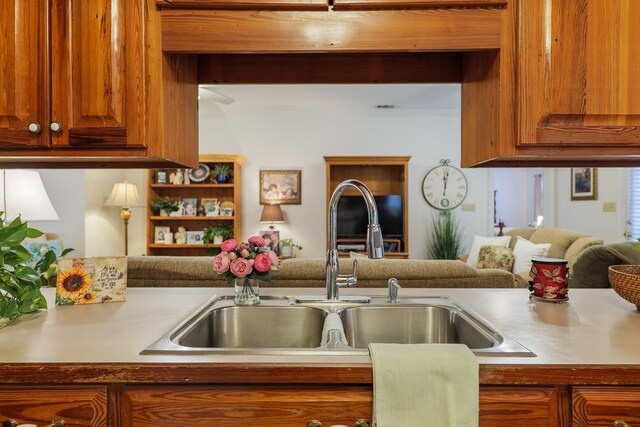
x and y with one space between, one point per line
218 233
19 283
447 236
287 245
165 205
221 171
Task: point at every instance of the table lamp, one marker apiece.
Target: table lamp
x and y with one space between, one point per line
24 195
272 215
125 196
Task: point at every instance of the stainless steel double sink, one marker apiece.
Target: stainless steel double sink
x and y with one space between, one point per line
280 325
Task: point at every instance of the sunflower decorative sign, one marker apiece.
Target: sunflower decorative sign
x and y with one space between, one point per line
91 280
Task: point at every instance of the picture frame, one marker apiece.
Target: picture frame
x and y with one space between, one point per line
159 232
280 187
162 177
195 237
190 205
226 212
584 184
271 239
211 206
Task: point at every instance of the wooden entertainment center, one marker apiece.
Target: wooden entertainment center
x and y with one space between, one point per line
384 175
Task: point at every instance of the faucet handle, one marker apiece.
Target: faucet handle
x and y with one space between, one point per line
394 290
349 279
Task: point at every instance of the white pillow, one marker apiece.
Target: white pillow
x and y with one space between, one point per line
480 241
524 251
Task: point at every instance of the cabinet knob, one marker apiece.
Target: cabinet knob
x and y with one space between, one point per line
312 423
55 127
620 423
34 128
362 423
12 423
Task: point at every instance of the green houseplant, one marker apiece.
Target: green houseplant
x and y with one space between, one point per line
287 245
20 284
221 231
165 205
447 236
221 172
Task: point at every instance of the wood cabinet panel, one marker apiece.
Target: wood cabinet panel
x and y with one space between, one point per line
520 406
578 63
601 406
23 73
399 4
77 406
238 406
247 4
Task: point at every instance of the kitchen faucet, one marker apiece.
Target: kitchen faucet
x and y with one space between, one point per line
375 245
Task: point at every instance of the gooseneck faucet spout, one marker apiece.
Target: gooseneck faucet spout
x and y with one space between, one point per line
375 244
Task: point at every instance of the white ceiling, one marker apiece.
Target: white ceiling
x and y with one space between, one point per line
408 97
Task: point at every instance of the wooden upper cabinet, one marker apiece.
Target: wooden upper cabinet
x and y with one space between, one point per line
85 84
402 4
578 67
97 53
23 73
247 4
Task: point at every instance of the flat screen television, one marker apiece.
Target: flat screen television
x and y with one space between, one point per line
353 216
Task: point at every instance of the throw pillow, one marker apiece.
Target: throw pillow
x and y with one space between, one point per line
524 251
480 241
496 257
37 250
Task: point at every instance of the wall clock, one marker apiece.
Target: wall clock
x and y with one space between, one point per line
444 187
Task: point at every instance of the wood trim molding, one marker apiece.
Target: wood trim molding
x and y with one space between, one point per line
407 4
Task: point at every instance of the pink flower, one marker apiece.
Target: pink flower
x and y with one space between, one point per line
251 262
262 263
240 267
244 253
273 257
257 240
229 245
221 262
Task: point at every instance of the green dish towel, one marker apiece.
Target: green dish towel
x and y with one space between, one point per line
424 385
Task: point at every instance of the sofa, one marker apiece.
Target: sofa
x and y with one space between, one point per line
166 271
591 266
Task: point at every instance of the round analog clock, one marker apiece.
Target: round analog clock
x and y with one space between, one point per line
444 187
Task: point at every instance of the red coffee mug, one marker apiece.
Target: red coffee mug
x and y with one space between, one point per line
550 279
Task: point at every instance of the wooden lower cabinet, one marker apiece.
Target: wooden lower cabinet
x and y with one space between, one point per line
284 406
77 406
602 406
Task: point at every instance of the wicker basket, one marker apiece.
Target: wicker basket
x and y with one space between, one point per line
625 280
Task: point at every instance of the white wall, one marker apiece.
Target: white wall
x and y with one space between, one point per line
277 139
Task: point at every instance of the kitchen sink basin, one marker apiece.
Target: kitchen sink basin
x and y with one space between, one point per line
280 325
413 325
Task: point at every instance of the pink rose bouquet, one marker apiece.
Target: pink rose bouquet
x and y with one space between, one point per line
252 260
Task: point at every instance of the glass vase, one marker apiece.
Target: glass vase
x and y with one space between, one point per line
247 291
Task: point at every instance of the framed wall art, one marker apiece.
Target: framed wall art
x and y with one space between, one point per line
195 237
584 184
280 187
159 233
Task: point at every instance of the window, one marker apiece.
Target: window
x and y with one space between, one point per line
634 203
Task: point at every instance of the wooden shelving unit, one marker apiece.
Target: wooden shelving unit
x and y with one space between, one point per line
384 175
230 192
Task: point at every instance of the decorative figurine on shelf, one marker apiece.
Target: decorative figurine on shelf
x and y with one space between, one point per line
181 236
179 211
187 179
501 226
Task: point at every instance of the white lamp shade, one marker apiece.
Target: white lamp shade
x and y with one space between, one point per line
24 195
124 194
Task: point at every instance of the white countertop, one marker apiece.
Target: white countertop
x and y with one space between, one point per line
596 326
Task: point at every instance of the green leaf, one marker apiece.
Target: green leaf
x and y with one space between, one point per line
13 234
66 251
32 233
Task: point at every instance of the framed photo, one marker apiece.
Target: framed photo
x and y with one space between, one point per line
280 187
226 212
211 207
190 205
584 184
159 233
195 237
161 177
271 240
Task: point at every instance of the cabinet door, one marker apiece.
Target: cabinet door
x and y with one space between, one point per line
601 406
239 406
98 73
77 406
23 73
578 65
520 406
